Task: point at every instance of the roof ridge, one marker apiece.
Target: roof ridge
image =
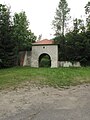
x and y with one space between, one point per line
44 41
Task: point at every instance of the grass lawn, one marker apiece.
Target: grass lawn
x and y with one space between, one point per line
56 77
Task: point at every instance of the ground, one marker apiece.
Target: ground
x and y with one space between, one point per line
47 103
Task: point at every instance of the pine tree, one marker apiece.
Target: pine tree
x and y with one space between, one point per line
61 18
6 43
87 11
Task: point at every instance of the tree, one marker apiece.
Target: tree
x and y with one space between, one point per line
21 33
75 45
14 36
23 36
87 11
60 40
61 18
6 42
78 25
78 45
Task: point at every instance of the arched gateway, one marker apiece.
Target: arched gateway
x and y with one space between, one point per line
44 60
44 47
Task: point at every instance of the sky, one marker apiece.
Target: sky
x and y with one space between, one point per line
40 13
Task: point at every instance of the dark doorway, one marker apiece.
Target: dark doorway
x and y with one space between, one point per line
44 60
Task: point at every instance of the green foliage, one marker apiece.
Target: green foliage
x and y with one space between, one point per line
78 25
60 40
87 11
14 36
6 42
45 61
75 46
61 18
22 35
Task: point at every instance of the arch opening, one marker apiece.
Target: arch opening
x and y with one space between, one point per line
44 60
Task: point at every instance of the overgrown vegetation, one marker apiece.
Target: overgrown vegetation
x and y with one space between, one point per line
61 18
44 61
61 77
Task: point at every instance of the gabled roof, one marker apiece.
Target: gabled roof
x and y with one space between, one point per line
45 42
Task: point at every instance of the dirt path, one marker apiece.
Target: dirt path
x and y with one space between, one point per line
33 103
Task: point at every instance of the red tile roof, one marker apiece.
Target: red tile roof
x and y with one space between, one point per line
45 41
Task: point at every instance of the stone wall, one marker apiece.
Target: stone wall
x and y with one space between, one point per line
21 57
68 64
27 59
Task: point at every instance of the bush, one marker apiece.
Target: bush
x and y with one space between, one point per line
45 62
83 62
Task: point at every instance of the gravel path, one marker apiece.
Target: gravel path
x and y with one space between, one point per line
33 103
